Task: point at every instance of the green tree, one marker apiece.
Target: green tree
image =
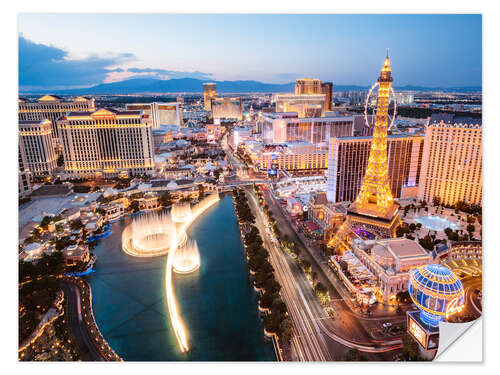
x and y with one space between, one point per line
354 355
166 199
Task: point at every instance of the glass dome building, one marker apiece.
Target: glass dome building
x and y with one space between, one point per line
437 292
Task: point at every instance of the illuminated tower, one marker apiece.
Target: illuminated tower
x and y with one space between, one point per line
374 212
374 209
209 92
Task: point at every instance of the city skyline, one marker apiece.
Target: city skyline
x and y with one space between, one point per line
266 48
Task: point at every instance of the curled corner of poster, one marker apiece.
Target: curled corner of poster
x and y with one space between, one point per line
460 342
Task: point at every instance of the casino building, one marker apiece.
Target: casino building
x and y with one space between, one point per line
37 147
160 113
452 163
107 143
289 127
306 105
348 160
225 108
52 107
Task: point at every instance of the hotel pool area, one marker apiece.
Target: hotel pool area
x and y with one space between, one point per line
436 223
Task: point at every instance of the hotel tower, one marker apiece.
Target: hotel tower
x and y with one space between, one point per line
107 143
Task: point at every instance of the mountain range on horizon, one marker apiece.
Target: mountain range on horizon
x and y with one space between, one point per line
193 85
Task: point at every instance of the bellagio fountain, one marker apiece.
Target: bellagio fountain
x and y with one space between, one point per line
155 234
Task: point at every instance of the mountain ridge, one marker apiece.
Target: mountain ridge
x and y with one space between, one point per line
193 85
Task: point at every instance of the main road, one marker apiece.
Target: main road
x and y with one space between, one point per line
308 342
308 315
85 343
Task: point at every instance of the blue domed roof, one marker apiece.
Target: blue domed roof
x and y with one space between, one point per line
436 280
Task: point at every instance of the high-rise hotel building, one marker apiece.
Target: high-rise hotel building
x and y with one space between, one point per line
160 113
288 127
209 93
52 107
107 143
327 89
452 162
24 174
37 147
348 159
225 108
306 105
308 86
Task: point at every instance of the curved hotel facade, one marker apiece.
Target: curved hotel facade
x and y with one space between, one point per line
107 143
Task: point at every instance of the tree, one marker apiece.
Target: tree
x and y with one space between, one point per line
410 349
285 329
354 355
166 199
134 206
201 191
76 224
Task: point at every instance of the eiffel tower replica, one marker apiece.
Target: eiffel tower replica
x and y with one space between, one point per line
374 210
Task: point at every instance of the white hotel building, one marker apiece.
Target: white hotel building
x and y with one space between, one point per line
107 143
52 107
37 147
160 113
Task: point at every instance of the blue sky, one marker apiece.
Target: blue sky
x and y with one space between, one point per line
77 50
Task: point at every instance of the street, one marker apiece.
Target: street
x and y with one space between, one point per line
82 336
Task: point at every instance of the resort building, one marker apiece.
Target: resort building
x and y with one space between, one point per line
308 86
107 143
227 109
389 261
24 186
160 113
290 156
209 93
348 159
306 105
327 89
452 162
52 107
37 147
324 214
288 127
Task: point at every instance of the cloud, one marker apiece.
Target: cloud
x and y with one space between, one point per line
164 73
46 66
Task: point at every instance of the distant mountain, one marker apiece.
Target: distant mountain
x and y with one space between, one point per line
192 85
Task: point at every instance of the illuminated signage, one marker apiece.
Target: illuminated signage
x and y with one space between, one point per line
453 307
417 332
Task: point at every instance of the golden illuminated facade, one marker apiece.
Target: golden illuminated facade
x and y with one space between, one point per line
452 162
327 89
209 93
107 143
52 107
37 147
308 86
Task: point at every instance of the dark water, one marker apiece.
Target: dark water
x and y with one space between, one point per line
217 303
